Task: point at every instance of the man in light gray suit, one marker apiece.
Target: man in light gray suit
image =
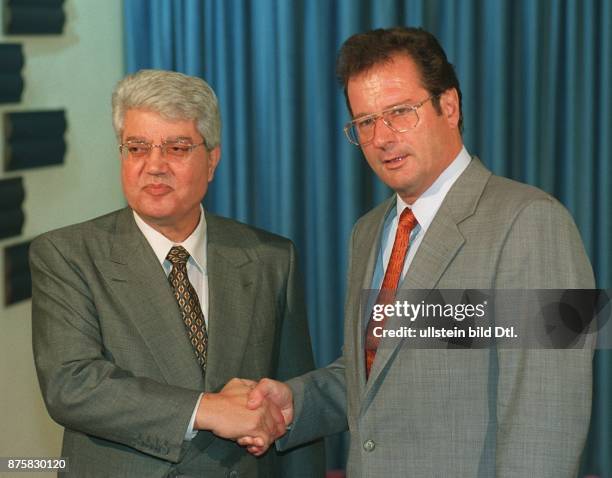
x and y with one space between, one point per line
141 316
441 413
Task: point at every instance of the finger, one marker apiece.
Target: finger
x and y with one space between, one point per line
276 421
262 438
270 425
245 441
233 382
256 396
276 414
235 385
256 451
249 383
281 429
278 426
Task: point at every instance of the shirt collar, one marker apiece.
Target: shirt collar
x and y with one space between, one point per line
428 203
195 244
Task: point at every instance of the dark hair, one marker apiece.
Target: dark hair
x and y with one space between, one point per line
365 50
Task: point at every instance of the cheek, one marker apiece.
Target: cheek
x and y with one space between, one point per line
191 181
129 178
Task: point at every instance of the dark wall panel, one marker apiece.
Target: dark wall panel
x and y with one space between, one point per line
12 217
34 139
11 81
17 278
34 17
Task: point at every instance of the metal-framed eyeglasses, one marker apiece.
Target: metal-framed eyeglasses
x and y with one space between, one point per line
170 150
398 118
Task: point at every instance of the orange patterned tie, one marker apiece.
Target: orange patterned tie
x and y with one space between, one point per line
188 303
406 224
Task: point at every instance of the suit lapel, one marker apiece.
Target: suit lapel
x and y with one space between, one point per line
232 285
440 245
364 256
139 282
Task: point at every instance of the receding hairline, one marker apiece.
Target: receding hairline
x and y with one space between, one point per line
385 61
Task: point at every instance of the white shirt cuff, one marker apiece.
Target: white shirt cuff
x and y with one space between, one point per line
191 433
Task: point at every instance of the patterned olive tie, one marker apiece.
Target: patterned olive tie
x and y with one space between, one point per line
188 303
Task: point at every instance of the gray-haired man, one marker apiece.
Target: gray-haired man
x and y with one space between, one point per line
141 316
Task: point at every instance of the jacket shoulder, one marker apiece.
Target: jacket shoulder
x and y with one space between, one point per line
97 229
504 198
232 233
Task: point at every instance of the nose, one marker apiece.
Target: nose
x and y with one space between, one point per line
155 163
383 135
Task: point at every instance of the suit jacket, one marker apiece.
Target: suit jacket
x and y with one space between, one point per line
460 413
116 367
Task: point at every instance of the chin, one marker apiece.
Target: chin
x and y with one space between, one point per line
399 184
156 213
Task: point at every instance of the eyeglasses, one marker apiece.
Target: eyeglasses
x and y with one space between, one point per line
399 118
171 150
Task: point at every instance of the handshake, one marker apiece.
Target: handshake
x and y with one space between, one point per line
253 414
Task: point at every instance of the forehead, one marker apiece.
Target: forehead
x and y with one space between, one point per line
152 125
386 84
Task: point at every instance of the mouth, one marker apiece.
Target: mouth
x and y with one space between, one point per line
395 161
157 189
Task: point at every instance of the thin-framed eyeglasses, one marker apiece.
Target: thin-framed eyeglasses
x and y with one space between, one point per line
170 150
398 118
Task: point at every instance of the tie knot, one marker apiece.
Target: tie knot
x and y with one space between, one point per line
178 255
407 219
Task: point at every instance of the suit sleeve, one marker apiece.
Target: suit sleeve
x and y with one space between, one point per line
543 396
82 388
295 358
319 404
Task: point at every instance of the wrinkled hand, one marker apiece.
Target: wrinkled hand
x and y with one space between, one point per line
226 415
277 393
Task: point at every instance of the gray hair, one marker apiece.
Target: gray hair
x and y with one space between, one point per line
174 96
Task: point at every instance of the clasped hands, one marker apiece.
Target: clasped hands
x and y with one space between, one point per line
253 414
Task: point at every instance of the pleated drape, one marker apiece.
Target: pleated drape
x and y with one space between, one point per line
536 81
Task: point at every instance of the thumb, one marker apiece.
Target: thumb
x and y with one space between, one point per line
257 395
247 382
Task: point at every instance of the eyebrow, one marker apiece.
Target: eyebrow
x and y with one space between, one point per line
136 138
179 139
400 103
169 139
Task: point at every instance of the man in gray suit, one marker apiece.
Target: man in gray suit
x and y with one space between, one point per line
141 316
433 413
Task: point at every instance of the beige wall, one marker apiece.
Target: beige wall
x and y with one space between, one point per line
75 71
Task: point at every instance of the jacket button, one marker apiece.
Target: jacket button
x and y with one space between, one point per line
369 445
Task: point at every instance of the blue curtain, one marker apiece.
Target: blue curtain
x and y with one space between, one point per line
536 80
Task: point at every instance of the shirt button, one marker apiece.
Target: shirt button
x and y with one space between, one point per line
369 445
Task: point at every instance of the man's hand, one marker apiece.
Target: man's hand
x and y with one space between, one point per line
277 393
227 416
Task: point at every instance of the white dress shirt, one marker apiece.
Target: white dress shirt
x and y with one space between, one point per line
425 209
195 244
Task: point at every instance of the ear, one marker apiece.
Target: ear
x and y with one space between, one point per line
449 102
214 157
